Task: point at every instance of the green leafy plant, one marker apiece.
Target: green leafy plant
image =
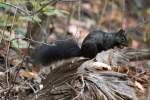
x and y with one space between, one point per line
30 18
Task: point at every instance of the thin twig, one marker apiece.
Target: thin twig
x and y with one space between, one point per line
7 53
103 10
3 30
79 18
35 92
6 63
15 7
5 90
110 19
82 89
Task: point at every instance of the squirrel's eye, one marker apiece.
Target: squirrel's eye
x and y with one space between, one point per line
123 39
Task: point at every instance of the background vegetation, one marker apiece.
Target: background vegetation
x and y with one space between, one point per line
26 24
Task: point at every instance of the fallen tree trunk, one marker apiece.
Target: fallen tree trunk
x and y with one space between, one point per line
96 79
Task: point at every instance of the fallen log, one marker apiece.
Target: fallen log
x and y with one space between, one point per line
95 79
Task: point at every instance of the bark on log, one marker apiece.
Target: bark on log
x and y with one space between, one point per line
77 79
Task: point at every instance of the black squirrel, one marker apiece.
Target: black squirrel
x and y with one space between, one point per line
95 42
59 50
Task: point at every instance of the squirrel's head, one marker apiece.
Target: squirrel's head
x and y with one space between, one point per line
121 38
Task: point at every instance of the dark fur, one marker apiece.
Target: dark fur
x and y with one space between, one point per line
97 41
59 50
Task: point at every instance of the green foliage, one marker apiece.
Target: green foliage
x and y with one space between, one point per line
19 44
4 6
3 24
34 18
40 7
49 10
20 31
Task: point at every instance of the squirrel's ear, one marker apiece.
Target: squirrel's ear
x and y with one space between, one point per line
121 31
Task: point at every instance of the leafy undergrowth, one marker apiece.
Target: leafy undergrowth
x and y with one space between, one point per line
112 76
